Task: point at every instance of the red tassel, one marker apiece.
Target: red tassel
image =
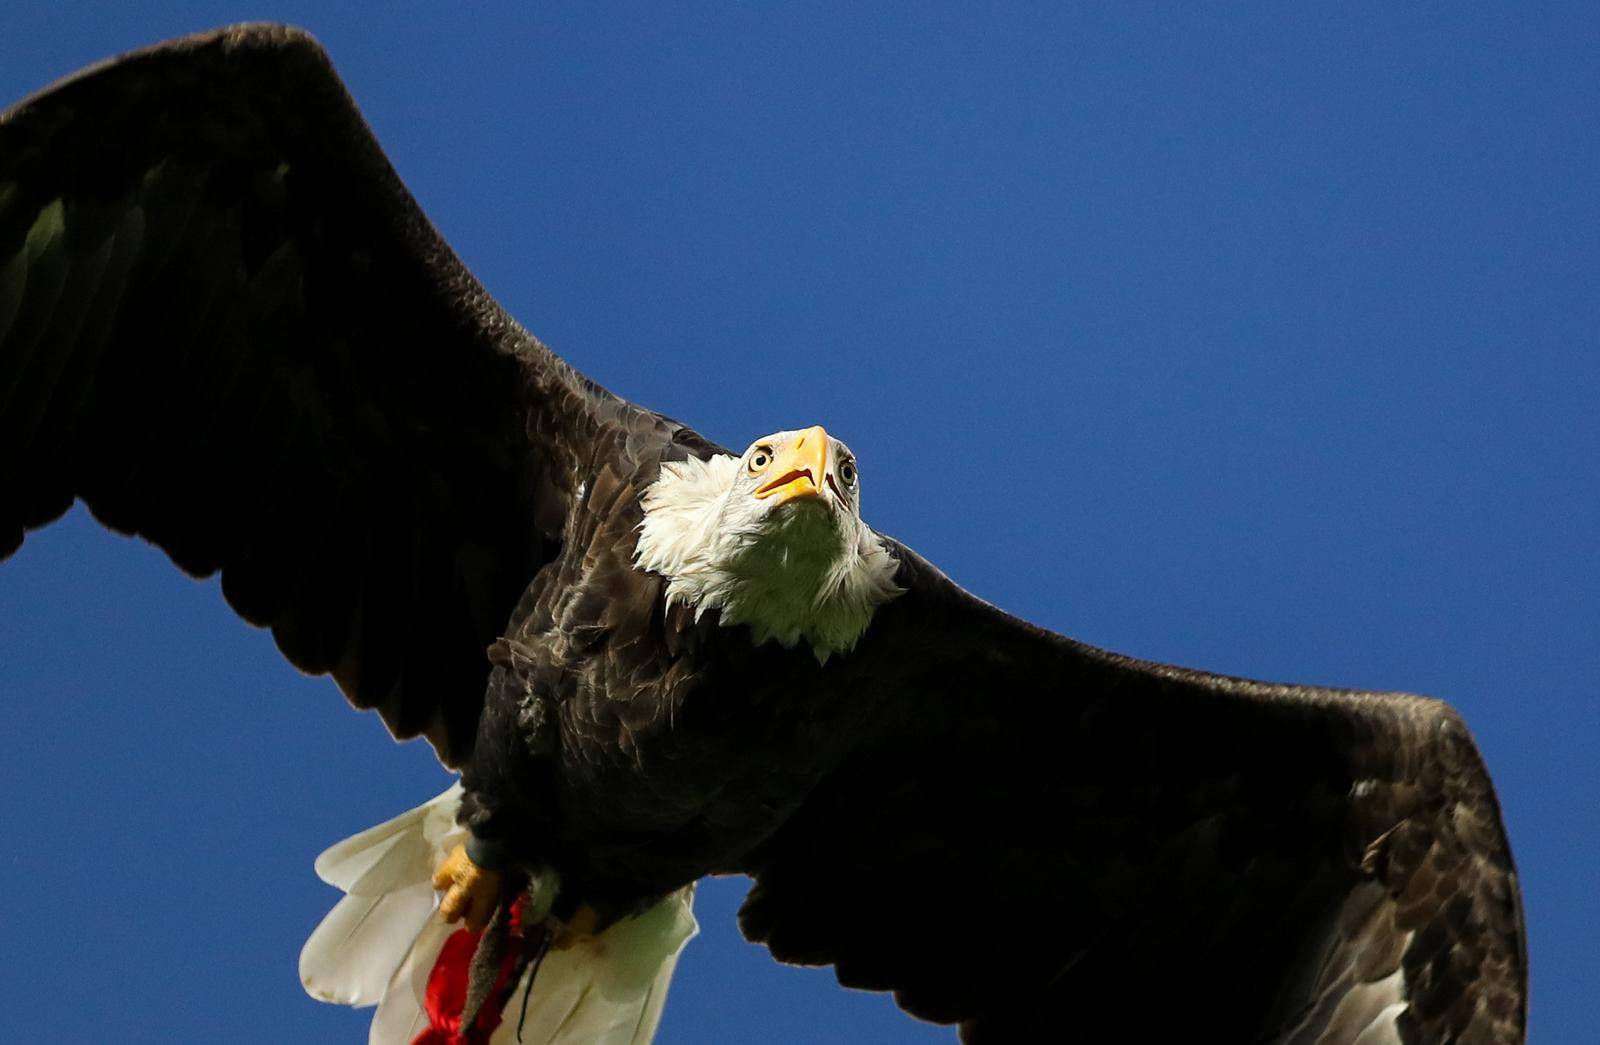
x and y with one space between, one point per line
447 987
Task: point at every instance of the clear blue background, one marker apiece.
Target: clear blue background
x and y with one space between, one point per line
1262 342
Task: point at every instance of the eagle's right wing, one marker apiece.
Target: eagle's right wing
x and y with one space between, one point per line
227 327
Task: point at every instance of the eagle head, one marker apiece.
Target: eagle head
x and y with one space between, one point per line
772 539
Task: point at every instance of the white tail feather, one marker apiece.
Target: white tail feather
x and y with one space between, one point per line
387 871
400 1016
379 943
607 989
397 852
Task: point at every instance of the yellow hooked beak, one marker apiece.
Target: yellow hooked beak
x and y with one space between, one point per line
798 469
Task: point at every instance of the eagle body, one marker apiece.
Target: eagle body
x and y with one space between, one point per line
227 327
633 745
655 729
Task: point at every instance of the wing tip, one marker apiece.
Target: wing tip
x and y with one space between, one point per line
228 39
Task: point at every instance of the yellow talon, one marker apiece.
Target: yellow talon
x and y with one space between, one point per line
470 892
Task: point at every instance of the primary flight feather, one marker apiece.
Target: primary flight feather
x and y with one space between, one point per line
227 327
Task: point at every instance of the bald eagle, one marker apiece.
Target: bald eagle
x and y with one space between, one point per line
227 327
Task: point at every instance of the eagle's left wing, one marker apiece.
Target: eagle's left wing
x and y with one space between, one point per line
1048 842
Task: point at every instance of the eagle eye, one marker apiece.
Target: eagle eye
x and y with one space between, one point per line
760 458
847 473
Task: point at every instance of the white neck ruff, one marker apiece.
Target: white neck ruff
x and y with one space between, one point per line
792 581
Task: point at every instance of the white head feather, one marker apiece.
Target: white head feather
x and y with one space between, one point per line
802 569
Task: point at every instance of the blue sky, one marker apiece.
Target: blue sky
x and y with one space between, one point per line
1263 342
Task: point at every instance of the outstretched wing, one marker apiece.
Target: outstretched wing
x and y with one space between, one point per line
1048 842
226 325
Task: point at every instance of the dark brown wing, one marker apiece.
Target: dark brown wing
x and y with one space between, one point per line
1047 842
226 325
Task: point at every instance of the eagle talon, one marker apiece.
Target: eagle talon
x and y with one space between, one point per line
470 892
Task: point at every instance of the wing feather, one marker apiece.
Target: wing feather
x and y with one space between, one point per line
229 329
1043 840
